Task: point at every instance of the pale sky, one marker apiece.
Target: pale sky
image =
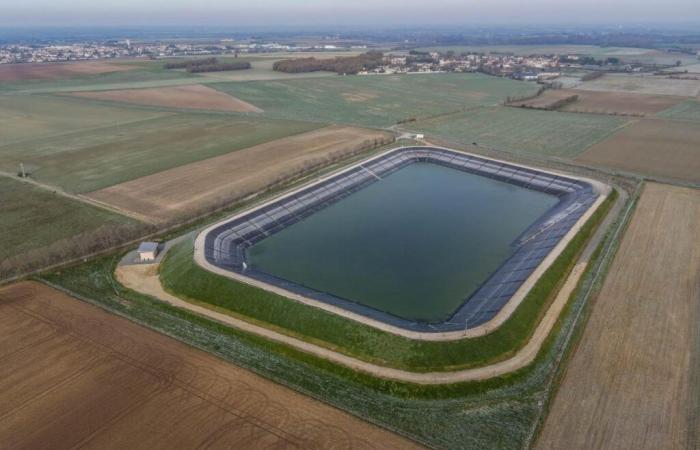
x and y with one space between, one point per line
323 13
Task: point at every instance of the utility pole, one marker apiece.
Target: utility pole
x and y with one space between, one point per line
22 173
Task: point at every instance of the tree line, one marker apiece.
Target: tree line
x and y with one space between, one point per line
349 65
207 65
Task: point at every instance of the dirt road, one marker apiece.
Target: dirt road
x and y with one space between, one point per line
634 381
73 375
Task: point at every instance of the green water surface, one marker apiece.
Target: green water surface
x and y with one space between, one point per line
415 244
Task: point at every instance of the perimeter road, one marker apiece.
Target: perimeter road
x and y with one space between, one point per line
143 278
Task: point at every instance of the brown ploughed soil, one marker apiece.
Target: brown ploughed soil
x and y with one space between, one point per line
50 71
657 147
73 375
195 96
634 380
198 186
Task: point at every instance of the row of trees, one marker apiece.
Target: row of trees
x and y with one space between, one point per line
207 65
341 65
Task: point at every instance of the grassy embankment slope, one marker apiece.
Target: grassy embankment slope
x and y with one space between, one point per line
183 278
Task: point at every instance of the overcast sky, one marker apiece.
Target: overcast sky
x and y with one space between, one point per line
387 13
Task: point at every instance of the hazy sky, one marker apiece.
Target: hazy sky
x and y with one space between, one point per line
387 13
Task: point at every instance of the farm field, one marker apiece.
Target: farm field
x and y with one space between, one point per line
50 71
546 100
522 131
376 101
688 110
654 85
93 159
597 102
195 96
187 188
64 361
33 218
634 380
134 73
25 117
658 147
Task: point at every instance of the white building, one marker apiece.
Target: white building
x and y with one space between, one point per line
147 251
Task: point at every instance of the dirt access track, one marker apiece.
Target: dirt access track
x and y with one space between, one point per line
595 102
657 147
634 380
74 375
194 96
195 187
50 71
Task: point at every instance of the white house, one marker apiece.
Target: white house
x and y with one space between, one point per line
147 251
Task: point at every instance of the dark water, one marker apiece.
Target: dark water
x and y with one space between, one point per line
414 244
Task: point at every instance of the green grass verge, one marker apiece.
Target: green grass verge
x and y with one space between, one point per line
183 278
375 100
523 130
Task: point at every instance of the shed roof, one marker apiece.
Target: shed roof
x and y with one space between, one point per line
148 246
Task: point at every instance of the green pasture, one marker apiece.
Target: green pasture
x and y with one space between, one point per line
378 101
522 130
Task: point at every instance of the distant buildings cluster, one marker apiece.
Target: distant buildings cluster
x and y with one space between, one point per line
522 67
19 53
528 68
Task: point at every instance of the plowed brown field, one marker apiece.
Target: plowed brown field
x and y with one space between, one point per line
663 148
194 96
634 380
73 375
50 71
193 187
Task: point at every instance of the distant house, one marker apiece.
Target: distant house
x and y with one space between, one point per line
147 251
525 76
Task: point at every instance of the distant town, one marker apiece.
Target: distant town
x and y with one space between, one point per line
535 67
33 53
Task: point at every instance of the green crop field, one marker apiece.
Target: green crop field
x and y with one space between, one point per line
381 100
25 117
93 145
523 131
687 110
31 218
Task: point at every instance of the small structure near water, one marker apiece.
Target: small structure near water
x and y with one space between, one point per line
147 251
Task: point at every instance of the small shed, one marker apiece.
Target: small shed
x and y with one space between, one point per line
147 251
